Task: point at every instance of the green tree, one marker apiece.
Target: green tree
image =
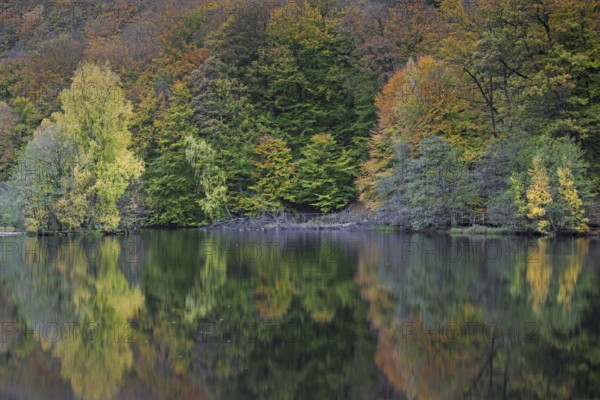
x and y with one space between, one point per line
237 41
169 178
75 171
210 179
533 64
227 121
44 181
304 80
503 179
273 176
325 174
379 165
430 188
426 98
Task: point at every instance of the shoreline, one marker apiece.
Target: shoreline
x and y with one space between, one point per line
285 223
345 221
352 227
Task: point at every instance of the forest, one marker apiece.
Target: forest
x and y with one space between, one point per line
119 114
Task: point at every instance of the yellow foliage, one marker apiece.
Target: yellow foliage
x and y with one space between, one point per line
95 115
538 194
568 192
568 280
539 272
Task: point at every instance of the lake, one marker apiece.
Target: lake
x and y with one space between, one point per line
194 314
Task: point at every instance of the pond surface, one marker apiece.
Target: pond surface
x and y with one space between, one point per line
299 315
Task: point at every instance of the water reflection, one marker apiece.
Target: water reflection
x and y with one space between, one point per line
75 303
484 318
245 315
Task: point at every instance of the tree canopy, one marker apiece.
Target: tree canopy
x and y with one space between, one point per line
244 108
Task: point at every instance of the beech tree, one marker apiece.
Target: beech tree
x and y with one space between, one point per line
573 215
273 176
301 79
169 178
95 115
45 183
78 166
538 195
325 174
227 121
210 179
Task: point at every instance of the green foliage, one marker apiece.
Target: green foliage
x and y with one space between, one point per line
426 98
45 181
300 79
75 171
210 179
273 175
432 187
378 166
169 178
237 41
227 120
325 174
501 81
95 116
516 192
520 192
143 129
535 65
572 206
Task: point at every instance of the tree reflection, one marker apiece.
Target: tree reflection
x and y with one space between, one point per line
374 316
539 272
274 288
96 360
287 326
86 290
202 298
507 340
568 280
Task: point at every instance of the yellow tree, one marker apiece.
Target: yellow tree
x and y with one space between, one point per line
378 166
538 195
95 115
575 218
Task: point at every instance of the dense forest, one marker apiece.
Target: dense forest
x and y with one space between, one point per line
126 113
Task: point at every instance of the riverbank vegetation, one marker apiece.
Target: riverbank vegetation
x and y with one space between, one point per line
182 113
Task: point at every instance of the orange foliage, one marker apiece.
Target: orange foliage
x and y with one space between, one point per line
378 166
425 362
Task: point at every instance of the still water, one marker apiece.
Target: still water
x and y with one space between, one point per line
299 315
